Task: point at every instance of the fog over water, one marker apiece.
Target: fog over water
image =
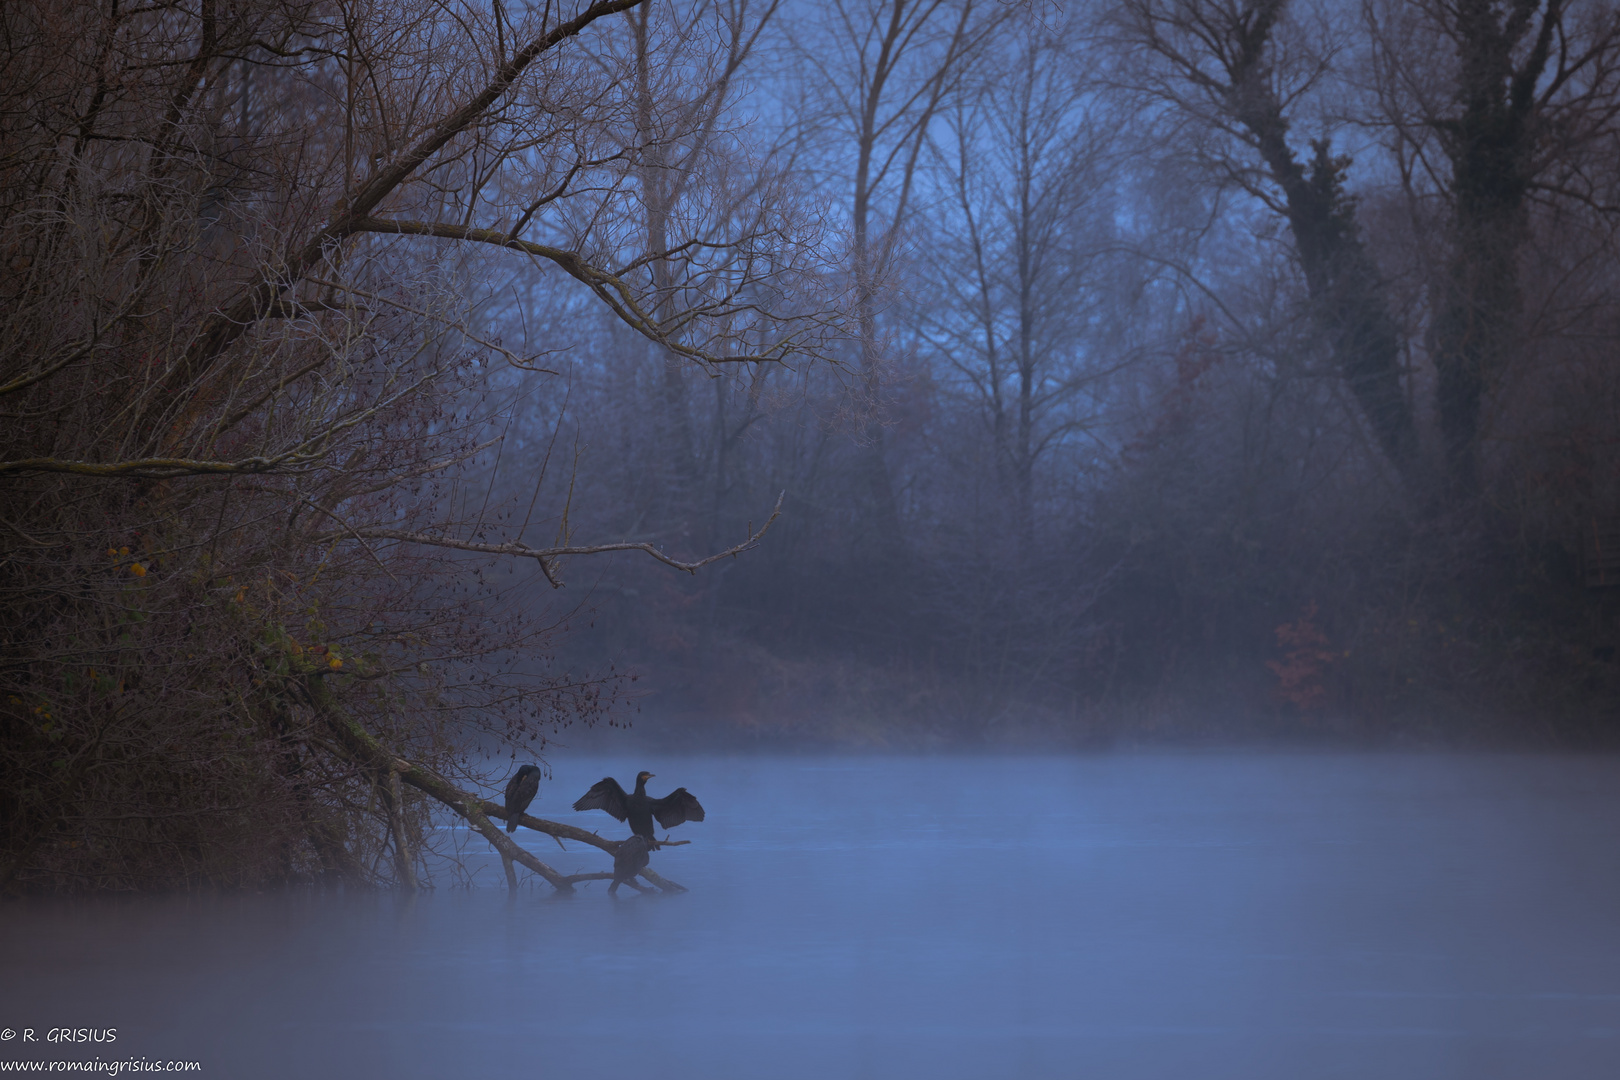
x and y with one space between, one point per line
1124 916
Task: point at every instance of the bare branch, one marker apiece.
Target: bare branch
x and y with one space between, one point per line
546 556
69 354
608 287
227 326
159 468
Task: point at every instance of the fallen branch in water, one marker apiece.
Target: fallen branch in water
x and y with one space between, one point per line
359 745
560 832
566 832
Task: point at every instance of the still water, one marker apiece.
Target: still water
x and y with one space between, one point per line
1192 917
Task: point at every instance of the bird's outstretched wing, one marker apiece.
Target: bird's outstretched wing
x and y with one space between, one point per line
605 794
676 807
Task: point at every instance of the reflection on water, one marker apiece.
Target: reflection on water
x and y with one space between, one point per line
1242 916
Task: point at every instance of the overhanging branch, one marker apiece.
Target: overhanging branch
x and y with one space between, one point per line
547 556
226 326
608 287
159 468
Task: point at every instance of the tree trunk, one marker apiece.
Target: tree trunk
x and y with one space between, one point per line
1347 301
1489 142
674 426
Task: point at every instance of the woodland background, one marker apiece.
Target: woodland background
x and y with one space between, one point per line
1127 371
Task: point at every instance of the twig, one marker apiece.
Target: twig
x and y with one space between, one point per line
546 556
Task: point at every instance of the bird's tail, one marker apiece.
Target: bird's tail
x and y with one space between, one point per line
511 823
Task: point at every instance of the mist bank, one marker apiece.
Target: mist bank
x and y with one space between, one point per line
1227 916
747 699
1346 633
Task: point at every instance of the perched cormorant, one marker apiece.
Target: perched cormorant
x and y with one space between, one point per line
629 860
520 792
641 808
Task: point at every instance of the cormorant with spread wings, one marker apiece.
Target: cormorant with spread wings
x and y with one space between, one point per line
639 807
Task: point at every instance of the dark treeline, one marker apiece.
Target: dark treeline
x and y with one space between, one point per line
1218 369
1126 371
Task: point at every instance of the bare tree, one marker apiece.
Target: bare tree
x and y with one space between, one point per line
240 247
1024 226
893 64
1221 64
1491 106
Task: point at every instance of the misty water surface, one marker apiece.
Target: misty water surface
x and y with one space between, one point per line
1189 916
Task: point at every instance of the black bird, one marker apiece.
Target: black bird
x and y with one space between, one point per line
629 859
641 808
520 792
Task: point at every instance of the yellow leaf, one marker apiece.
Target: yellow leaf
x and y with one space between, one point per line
137 569
334 663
